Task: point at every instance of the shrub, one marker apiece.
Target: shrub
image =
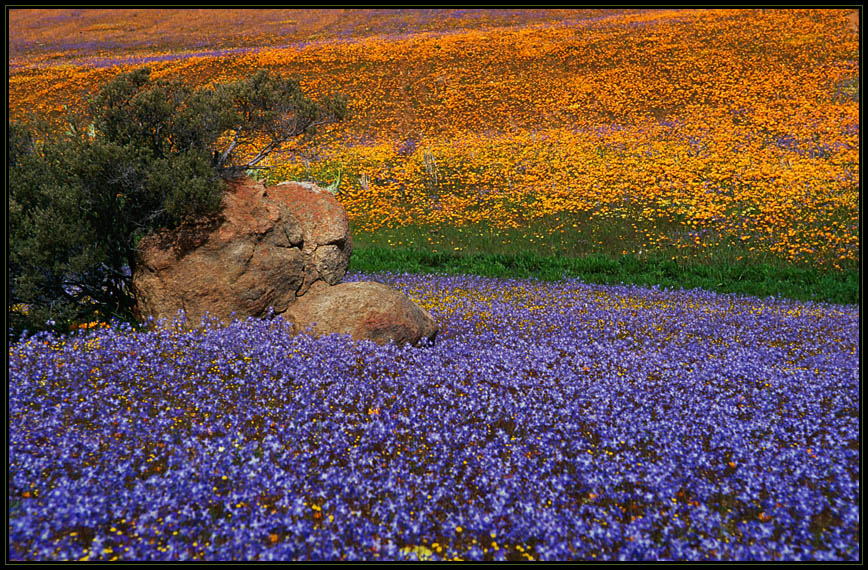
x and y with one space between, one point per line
144 155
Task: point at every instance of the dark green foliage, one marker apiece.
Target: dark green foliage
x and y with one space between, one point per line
19 143
146 155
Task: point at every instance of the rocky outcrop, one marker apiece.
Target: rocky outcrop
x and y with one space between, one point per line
285 247
365 310
267 247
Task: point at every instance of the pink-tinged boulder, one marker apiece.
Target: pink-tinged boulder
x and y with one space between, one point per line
365 310
267 246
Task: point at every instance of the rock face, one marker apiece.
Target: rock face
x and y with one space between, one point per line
364 310
267 247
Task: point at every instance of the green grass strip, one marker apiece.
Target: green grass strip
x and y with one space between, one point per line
761 280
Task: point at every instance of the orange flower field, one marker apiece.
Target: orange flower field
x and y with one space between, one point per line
732 126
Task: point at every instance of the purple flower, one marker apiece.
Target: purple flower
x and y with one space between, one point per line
551 421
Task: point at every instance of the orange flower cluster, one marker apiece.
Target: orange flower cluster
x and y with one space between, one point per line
735 123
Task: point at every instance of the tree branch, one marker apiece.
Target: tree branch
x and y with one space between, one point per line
229 150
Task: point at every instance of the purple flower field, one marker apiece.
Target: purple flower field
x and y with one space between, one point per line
550 421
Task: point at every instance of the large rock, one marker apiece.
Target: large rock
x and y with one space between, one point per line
365 310
266 248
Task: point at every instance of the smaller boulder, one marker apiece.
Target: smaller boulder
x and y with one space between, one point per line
364 310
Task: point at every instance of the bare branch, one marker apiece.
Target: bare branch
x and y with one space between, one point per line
274 144
229 150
